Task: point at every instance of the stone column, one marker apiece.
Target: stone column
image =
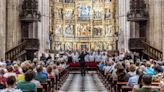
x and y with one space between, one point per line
2 28
43 26
157 24
124 25
162 27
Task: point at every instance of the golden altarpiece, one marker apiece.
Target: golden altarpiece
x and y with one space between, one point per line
83 24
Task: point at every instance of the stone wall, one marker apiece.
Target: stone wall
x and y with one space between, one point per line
2 28
10 25
13 24
155 26
163 27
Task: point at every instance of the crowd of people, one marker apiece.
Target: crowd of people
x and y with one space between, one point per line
17 76
134 70
90 56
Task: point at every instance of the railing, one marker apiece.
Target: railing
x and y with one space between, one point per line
136 43
14 52
151 51
19 50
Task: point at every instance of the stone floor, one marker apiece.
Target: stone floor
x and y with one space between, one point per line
77 83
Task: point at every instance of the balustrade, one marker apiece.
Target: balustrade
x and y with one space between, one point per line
22 48
151 51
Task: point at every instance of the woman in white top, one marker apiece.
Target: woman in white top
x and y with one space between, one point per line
98 58
91 57
75 57
103 57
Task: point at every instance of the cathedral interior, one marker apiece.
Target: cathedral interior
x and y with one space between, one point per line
37 32
81 24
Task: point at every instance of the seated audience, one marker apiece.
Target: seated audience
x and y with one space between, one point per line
102 65
40 75
10 72
16 69
158 75
58 66
133 79
27 85
50 73
11 85
149 70
146 82
122 76
21 77
55 70
36 82
107 68
132 70
2 78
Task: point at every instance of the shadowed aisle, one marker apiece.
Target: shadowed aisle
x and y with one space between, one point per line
77 83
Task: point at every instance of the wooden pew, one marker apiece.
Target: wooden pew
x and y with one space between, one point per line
129 88
126 88
60 78
56 82
45 87
155 83
53 83
119 86
48 81
40 89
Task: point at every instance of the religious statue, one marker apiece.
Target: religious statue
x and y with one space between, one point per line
84 10
69 14
84 31
108 14
68 46
97 31
59 30
108 30
69 30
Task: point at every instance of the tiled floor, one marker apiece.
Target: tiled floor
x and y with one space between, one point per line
77 83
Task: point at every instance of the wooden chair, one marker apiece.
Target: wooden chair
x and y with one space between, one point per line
126 88
155 83
56 82
45 87
49 84
119 86
40 89
108 81
52 83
